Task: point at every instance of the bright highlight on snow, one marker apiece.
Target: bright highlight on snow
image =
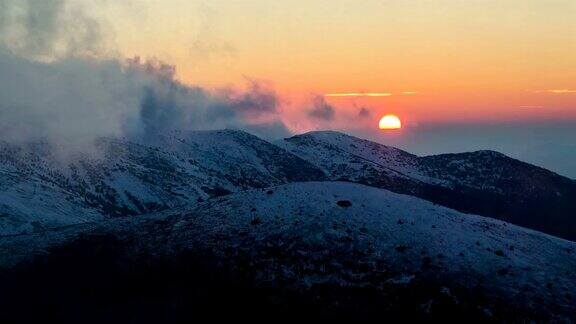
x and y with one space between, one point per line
390 122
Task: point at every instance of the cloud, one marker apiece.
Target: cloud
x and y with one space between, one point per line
558 91
321 109
272 130
49 29
364 113
259 99
532 106
70 98
359 94
169 105
79 100
368 94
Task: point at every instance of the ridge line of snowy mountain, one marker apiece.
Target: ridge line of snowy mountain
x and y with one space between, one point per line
39 191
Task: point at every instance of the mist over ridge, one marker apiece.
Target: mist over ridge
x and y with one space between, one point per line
60 84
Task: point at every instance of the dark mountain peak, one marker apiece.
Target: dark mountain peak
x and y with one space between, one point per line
228 133
327 135
489 153
485 182
488 163
464 156
321 133
324 136
484 154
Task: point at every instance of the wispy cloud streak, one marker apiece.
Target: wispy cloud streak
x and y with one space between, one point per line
368 94
359 94
557 91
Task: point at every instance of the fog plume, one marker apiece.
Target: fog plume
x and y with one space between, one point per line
50 29
57 85
321 109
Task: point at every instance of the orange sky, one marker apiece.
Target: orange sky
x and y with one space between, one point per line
465 59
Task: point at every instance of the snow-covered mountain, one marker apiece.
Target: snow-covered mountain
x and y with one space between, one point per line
321 223
483 182
329 249
41 188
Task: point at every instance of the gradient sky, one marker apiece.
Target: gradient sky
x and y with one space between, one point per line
466 59
462 74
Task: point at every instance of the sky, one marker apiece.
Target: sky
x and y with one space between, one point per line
461 74
469 59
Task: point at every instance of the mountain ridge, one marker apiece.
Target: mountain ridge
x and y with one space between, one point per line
181 168
484 182
127 178
321 225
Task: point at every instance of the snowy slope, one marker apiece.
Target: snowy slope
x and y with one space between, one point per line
482 182
341 155
242 159
41 189
322 239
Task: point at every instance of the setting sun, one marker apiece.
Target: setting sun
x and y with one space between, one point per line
390 122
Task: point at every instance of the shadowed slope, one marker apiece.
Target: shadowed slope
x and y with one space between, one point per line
483 182
330 250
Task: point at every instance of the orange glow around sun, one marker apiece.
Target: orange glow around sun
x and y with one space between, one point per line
390 122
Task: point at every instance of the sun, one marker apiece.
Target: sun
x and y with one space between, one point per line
390 122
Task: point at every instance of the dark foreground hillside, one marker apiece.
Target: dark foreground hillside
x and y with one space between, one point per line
92 281
305 250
